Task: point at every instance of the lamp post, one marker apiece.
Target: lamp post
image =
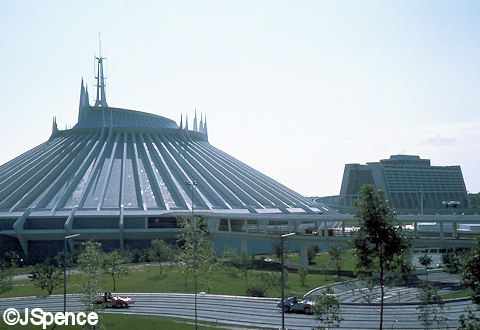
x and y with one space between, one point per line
65 270
192 185
283 280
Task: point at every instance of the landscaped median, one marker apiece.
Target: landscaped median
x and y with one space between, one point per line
148 278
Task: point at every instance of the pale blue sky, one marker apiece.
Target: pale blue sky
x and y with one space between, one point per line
295 89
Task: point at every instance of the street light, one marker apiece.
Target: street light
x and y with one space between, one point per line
193 185
65 271
283 280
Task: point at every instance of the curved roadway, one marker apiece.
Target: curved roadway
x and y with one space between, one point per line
243 311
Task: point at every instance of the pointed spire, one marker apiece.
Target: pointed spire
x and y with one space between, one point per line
81 103
205 129
54 127
186 122
87 98
195 127
180 129
82 93
201 123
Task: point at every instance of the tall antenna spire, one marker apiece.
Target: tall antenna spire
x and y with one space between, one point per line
101 100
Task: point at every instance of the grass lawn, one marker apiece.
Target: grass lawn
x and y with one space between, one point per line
459 294
127 322
322 259
225 280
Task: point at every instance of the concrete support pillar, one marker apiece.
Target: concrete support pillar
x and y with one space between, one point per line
229 226
454 230
442 232
243 245
325 228
343 228
303 254
415 229
18 228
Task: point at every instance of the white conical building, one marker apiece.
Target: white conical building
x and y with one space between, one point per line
119 176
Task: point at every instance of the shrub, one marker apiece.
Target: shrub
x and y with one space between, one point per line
311 253
262 284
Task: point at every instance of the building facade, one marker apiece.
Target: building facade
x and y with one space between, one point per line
411 185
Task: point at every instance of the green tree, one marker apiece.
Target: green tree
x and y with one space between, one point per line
277 250
425 260
452 260
11 259
196 254
430 309
5 281
114 265
327 310
381 243
336 257
46 277
302 273
469 320
90 263
160 252
311 253
471 271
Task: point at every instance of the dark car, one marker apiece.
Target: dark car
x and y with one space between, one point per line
293 304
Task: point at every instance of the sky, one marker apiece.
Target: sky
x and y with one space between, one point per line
295 89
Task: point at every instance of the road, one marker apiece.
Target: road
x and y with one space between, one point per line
243 311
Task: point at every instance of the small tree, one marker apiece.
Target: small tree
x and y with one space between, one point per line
381 244
471 271
336 257
452 260
277 250
327 310
469 321
160 252
137 256
302 273
311 253
11 259
46 277
431 307
90 263
196 254
114 265
425 260
5 281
